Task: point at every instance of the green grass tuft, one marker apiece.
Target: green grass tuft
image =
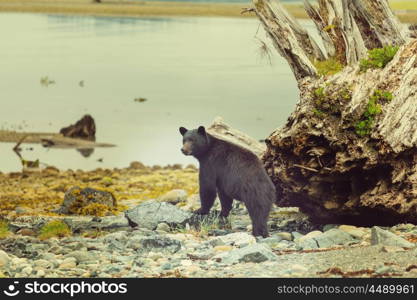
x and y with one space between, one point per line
328 67
318 112
364 126
4 229
326 100
378 58
54 229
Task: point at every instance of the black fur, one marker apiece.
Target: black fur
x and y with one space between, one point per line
233 173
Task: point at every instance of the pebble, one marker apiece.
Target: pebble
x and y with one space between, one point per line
383 269
81 256
43 263
223 248
253 253
298 269
166 266
384 237
186 263
27 270
353 231
174 196
333 237
296 235
26 232
285 235
310 235
155 256
68 263
392 249
238 239
163 227
4 258
192 269
270 241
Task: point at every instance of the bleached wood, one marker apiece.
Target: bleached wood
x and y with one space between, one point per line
289 38
347 29
317 160
223 131
338 30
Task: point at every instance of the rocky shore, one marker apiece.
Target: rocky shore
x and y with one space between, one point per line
153 233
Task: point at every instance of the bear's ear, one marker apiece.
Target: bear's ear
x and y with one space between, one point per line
183 130
201 130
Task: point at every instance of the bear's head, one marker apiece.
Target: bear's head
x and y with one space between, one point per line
195 142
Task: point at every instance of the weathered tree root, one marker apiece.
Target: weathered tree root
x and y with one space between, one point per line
348 152
319 163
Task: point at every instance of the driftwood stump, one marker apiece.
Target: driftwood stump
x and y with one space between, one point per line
85 128
347 154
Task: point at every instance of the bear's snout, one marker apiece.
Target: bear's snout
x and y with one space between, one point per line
185 151
186 148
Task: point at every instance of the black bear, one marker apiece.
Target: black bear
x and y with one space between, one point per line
232 172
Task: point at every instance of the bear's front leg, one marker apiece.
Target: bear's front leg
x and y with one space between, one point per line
207 192
226 203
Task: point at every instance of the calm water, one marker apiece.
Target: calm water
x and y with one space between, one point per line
225 1
190 70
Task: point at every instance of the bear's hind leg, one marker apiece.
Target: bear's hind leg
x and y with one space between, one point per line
226 203
259 216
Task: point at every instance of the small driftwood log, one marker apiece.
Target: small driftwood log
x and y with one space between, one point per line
223 131
85 129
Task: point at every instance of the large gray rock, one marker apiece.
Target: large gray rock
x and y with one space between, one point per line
329 238
76 199
80 223
384 237
307 243
110 222
238 239
272 241
334 237
150 213
285 235
160 244
81 256
353 231
296 235
201 254
255 253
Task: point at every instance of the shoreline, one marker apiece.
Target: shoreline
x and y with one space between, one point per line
124 8
405 11
39 192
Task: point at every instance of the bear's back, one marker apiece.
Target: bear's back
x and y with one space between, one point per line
239 172
227 155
